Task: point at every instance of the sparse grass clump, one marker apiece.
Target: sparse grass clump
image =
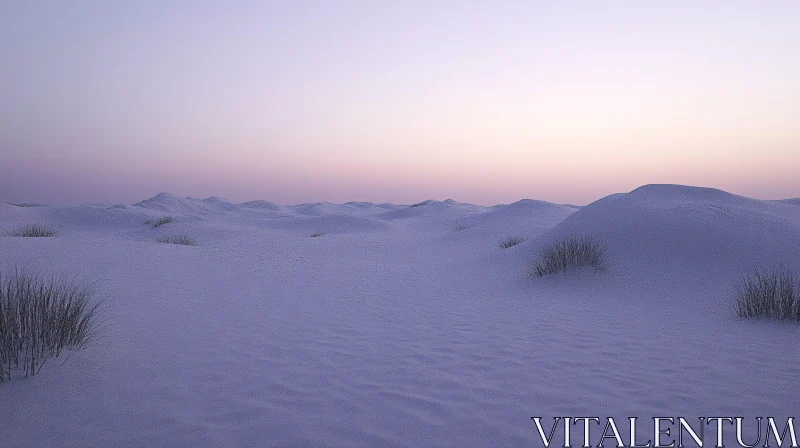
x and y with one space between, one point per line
40 318
773 295
461 227
161 221
32 231
177 239
511 242
570 254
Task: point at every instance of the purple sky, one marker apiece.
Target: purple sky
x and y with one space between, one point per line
398 101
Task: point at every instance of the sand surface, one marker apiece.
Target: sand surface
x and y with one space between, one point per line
401 326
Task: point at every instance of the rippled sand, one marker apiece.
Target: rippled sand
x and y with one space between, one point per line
401 326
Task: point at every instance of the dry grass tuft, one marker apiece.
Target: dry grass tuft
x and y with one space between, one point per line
177 239
772 295
161 221
570 254
511 242
32 231
40 318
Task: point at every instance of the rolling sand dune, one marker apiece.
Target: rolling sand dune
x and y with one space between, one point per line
263 205
401 326
526 218
672 230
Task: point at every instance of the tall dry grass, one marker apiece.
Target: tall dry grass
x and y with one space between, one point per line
40 318
570 254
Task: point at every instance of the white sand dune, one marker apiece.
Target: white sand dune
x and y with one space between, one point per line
677 231
401 326
526 218
431 214
264 205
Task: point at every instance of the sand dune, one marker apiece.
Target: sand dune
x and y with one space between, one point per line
678 230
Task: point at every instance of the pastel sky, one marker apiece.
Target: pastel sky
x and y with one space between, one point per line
398 101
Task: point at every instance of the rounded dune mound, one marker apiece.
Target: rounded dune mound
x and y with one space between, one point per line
360 204
212 205
432 209
219 204
263 205
12 217
533 204
525 219
261 208
168 203
7 210
683 193
320 208
172 204
675 229
387 206
465 205
364 208
74 217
